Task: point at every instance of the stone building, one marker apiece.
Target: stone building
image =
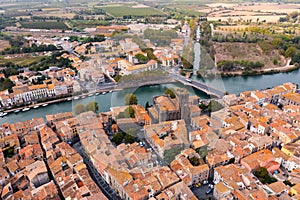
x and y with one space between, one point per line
167 109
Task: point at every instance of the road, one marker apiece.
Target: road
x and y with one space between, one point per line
107 190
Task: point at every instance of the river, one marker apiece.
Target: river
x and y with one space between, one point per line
231 84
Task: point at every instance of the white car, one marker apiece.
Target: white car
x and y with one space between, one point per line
188 80
205 182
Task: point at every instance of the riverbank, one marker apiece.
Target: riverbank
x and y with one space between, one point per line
291 68
113 88
262 72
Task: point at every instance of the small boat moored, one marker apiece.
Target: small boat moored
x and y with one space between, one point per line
44 105
36 107
2 114
25 109
103 92
97 93
16 111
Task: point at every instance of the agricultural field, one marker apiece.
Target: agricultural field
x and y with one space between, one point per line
22 61
57 13
268 12
135 10
44 25
4 44
87 23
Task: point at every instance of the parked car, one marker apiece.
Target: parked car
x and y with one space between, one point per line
210 190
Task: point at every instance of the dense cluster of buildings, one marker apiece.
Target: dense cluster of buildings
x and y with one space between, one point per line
256 131
106 59
60 83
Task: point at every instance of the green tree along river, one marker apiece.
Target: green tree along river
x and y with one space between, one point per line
230 84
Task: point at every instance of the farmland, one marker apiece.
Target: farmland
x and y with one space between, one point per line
263 12
120 11
4 44
22 61
44 25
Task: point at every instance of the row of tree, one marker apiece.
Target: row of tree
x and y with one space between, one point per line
91 106
129 136
229 65
33 48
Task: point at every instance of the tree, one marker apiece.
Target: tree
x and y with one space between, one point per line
294 14
202 151
231 161
6 84
263 175
131 99
129 139
92 106
194 161
141 58
275 61
170 92
287 182
290 52
128 113
79 108
214 106
117 78
118 138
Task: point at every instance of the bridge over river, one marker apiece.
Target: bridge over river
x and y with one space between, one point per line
198 85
